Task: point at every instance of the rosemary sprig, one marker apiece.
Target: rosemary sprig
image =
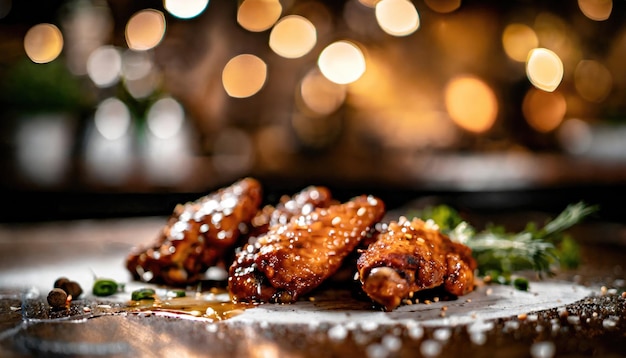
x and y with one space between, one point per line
503 253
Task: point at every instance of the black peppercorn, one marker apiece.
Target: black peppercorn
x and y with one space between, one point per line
70 287
57 298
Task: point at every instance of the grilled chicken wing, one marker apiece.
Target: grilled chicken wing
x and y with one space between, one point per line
410 256
294 258
197 235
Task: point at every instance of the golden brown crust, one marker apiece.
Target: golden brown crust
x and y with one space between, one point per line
197 235
410 256
294 258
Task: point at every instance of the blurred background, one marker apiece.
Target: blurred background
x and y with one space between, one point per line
121 108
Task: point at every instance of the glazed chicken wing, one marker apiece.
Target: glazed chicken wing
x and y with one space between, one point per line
294 258
410 256
197 235
301 203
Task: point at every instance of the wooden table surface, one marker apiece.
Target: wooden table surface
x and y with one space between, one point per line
589 320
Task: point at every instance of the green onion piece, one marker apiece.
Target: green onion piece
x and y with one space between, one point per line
176 293
521 284
104 287
143 294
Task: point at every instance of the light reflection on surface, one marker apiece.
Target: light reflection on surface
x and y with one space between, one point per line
397 17
258 15
544 111
544 69
342 62
293 36
471 103
43 43
185 9
145 29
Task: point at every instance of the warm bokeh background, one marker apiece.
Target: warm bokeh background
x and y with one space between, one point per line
120 107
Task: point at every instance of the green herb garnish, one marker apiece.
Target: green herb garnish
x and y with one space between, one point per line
500 253
104 287
143 294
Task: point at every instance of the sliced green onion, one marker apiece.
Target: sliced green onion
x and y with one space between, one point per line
143 294
104 287
521 284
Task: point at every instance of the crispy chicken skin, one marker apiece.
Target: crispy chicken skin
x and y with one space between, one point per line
197 235
301 203
296 257
410 256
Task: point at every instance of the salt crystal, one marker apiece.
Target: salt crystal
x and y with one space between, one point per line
369 326
542 350
392 343
211 328
430 348
376 351
480 326
338 333
416 332
442 334
573 320
478 338
609 323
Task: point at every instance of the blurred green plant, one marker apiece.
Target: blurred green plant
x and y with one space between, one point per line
27 87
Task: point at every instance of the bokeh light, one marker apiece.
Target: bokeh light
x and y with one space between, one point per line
593 80
443 6
544 69
397 17
44 145
293 36
143 87
369 3
136 64
112 118
104 66
185 9
244 75
43 43
544 111
5 7
518 40
319 94
258 15
471 103
165 118
574 136
342 62
598 10
145 29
